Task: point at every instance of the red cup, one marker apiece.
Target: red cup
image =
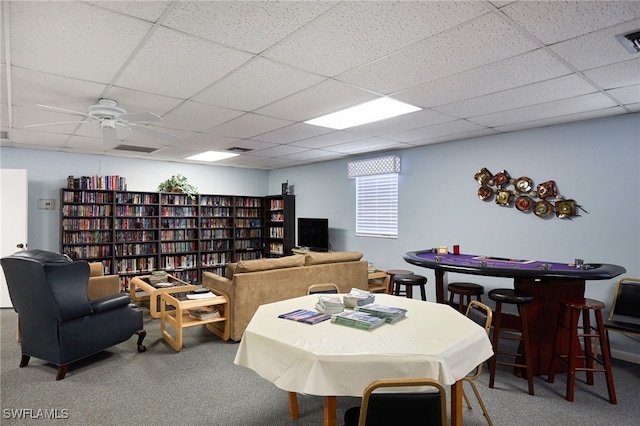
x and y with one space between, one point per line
456 249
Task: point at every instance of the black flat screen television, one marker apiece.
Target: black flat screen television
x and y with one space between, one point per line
313 233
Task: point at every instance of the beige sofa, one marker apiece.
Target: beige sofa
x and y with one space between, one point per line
101 285
249 284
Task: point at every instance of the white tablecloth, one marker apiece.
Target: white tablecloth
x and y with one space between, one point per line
329 359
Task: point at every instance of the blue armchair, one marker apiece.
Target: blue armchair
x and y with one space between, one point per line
57 321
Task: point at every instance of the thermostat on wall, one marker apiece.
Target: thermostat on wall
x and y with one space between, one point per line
46 204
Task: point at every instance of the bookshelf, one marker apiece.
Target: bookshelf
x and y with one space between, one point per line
279 225
133 232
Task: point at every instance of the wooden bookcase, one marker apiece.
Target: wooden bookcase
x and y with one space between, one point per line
133 233
279 227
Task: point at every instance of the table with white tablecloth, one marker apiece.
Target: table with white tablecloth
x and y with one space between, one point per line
330 360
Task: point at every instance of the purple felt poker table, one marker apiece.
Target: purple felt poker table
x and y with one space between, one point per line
546 281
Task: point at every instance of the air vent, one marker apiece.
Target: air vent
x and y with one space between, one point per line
4 134
238 149
134 148
630 41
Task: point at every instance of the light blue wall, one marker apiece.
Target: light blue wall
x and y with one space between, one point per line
47 172
594 162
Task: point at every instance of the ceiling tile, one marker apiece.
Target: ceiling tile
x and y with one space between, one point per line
23 116
31 88
547 110
292 133
329 139
626 95
451 127
176 64
278 151
519 70
365 145
617 75
252 26
479 42
347 36
257 83
249 125
588 115
603 47
68 38
422 118
324 98
147 10
557 88
554 21
197 117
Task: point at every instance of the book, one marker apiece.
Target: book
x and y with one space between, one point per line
306 316
196 296
391 314
329 304
355 319
204 313
357 297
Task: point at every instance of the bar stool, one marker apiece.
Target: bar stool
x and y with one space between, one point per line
521 299
392 273
568 319
464 291
410 280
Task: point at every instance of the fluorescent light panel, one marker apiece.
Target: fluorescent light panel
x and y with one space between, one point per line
211 156
367 112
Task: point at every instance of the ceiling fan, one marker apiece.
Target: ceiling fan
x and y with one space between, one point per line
109 115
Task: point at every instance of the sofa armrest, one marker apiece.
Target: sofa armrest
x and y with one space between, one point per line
217 282
102 286
110 302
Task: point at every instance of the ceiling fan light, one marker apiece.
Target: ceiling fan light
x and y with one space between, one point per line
107 123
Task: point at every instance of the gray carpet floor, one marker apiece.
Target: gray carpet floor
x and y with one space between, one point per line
201 385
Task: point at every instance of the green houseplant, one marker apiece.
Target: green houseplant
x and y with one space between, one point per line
178 183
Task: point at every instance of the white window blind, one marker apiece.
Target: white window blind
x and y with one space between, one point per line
377 205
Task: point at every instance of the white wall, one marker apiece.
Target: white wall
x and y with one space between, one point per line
594 162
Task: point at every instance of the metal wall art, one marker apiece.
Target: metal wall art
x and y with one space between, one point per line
543 201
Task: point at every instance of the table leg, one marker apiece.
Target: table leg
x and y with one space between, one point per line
441 285
456 403
293 405
330 410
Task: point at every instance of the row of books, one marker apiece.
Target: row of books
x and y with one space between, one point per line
365 317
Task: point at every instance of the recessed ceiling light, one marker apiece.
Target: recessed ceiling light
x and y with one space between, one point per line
211 156
367 112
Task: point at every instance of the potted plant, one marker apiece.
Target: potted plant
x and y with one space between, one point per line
178 183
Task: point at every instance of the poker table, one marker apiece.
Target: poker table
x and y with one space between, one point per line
546 281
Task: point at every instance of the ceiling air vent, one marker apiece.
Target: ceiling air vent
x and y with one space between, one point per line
134 148
4 135
238 149
630 41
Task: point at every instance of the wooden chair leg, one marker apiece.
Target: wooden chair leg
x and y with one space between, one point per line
62 371
606 357
141 335
293 405
24 360
527 347
497 317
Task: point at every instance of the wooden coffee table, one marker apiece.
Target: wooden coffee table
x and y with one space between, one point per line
174 312
152 293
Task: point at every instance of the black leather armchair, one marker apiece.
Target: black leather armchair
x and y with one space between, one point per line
57 321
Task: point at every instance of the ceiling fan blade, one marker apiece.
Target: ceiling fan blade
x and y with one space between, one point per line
152 132
109 136
68 111
141 116
61 122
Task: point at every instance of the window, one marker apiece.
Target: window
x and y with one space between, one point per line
376 196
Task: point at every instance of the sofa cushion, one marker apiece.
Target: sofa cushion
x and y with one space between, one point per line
317 258
267 264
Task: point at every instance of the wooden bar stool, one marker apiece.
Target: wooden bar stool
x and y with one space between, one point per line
409 281
464 291
521 299
392 273
568 319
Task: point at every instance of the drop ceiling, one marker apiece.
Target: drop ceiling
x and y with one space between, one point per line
243 74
